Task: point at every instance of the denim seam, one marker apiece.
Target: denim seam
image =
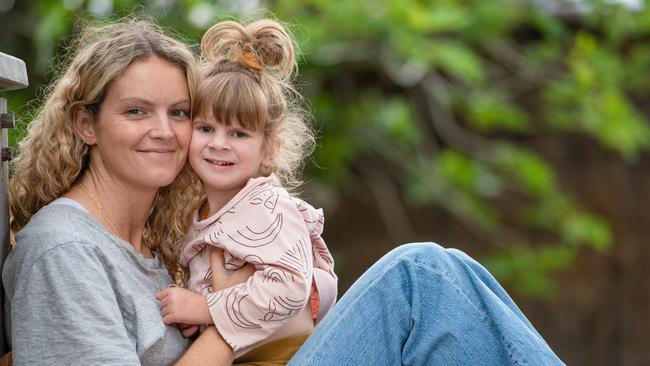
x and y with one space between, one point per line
512 349
444 276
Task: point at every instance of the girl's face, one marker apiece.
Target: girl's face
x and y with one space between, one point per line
142 133
225 157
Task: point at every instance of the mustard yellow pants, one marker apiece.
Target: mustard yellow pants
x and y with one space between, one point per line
275 353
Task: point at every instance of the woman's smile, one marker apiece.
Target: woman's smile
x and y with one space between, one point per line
160 152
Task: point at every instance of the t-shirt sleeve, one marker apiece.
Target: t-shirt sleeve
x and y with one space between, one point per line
266 230
64 312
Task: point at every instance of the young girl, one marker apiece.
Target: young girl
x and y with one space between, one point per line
248 141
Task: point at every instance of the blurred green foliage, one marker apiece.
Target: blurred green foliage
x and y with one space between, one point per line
445 96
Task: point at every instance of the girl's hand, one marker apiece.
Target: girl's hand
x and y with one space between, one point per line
224 278
180 305
188 330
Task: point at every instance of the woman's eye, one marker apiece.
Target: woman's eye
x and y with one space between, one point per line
134 111
180 113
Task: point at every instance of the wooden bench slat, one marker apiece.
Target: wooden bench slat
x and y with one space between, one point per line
13 73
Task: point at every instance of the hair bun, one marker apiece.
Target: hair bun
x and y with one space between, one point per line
264 45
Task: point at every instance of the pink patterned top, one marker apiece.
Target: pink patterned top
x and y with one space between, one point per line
281 236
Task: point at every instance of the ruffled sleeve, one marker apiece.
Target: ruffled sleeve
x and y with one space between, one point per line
324 277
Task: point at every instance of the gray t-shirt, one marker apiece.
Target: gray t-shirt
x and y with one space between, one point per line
76 295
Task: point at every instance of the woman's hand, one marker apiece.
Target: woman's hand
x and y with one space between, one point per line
180 305
224 278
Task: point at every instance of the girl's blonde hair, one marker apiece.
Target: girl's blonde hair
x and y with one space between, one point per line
246 78
52 158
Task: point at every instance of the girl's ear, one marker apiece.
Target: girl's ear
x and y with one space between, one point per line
84 126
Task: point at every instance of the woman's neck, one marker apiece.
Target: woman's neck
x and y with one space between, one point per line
121 208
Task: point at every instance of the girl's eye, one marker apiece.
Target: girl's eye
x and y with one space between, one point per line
205 129
180 113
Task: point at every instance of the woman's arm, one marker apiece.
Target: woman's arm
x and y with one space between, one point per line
209 349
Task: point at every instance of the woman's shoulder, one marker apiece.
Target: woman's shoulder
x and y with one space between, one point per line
55 234
56 222
55 225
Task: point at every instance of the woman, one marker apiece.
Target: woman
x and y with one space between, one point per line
98 188
100 196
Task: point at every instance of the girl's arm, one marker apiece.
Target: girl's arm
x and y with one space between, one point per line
183 306
266 229
223 278
210 348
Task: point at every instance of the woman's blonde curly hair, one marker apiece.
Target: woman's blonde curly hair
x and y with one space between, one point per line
52 158
246 77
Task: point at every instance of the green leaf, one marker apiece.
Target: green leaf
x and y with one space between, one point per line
489 112
581 228
531 172
457 59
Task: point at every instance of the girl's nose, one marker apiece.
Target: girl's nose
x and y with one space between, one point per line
219 141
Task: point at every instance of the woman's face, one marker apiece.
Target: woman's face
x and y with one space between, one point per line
143 129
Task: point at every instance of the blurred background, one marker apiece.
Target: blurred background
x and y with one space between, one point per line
515 130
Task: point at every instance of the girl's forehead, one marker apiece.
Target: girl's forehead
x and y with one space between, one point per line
209 118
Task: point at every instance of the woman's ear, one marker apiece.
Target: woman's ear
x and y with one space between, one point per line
84 126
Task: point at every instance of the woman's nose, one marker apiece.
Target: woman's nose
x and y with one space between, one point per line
162 127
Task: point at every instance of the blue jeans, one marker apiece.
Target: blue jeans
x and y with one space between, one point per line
422 304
